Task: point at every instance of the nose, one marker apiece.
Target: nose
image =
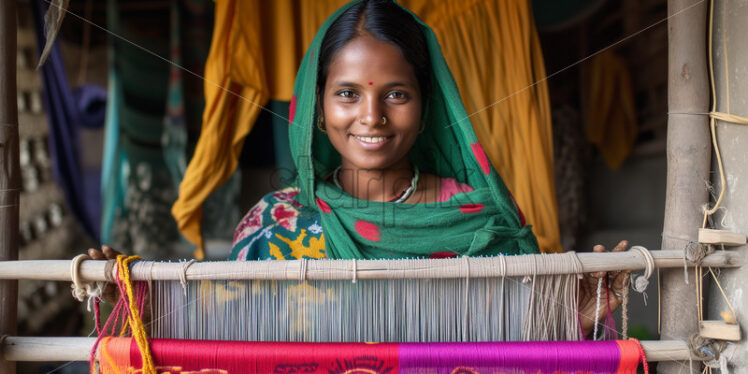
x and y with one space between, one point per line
371 112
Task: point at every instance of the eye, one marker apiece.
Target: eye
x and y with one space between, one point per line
397 95
347 95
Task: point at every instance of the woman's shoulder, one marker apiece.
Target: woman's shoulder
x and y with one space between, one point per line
277 217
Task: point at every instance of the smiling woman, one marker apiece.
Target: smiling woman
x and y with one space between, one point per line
372 99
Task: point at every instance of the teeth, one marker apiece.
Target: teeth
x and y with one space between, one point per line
370 139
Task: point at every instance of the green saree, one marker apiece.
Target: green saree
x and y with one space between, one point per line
482 222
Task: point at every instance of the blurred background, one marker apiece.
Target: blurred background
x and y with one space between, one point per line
111 121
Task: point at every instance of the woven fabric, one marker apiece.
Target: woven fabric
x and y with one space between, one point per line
121 355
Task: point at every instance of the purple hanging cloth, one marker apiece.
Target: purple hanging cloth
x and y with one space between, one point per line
67 112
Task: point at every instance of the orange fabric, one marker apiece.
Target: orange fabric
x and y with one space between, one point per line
491 47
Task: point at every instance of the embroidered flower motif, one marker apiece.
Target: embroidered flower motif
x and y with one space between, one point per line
285 214
251 222
287 195
315 228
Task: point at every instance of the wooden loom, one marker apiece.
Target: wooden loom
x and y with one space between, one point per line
460 269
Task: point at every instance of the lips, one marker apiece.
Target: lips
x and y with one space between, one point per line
371 139
371 143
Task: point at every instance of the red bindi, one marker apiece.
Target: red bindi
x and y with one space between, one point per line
371 83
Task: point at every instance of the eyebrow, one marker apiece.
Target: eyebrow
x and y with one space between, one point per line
352 84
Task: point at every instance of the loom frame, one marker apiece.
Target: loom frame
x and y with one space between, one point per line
99 270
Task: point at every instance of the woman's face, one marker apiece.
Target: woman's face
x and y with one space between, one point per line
372 104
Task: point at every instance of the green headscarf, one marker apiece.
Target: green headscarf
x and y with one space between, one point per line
477 223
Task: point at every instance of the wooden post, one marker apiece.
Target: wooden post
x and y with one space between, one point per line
729 30
688 162
10 181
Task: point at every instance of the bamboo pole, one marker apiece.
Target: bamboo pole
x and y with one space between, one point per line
79 349
544 264
10 181
688 157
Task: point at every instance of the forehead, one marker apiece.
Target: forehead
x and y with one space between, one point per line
366 58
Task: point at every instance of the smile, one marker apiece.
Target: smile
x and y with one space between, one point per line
371 139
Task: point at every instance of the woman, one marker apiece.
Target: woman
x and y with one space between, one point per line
388 163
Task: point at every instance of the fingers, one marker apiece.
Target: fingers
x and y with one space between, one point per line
110 252
95 254
106 253
621 246
598 249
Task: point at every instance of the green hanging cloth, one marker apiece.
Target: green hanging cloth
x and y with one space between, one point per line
482 222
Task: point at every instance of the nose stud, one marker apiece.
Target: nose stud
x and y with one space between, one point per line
383 122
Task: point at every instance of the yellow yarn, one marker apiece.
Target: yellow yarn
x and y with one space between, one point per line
136 323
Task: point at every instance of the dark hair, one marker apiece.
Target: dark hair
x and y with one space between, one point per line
386 21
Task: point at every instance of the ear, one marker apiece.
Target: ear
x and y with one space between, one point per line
319 104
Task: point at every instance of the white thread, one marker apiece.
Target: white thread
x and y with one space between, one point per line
641 282
355 271
465 320
690 113
597 306
79 289
183 275
302 270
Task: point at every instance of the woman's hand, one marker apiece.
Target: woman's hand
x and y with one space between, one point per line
111 293
610 298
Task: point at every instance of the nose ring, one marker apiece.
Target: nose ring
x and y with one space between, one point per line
384 120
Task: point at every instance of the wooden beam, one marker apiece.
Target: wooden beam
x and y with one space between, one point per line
688 160
10 180
79 349
544 264
721 237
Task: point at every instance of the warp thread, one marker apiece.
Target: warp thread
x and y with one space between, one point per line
597 306
465 320
625 311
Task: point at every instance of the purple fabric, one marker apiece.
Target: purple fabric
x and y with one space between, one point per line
90 101
543 357
64 120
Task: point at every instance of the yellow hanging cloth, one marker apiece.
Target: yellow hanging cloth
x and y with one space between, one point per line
491 47
611 113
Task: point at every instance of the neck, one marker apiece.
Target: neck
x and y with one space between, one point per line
376 184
